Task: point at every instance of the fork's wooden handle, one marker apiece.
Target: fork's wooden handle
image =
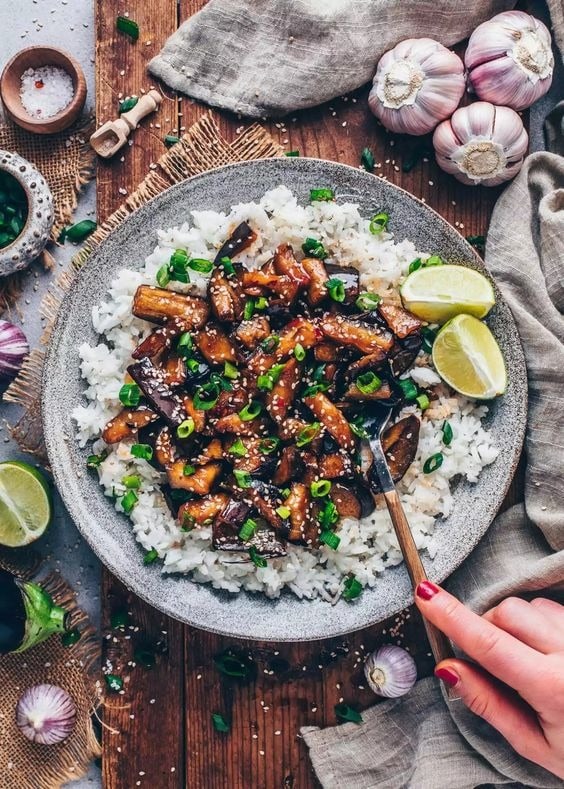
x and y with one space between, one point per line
440 644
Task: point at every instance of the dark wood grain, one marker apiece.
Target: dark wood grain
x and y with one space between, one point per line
295 684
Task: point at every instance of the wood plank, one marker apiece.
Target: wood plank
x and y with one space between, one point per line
143 728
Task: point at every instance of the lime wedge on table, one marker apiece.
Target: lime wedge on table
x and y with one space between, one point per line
467 356
25 504
438 293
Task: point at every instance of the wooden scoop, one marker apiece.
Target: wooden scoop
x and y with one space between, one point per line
113 135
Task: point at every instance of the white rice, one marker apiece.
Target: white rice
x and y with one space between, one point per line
368 546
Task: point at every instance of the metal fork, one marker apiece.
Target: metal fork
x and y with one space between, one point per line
375 424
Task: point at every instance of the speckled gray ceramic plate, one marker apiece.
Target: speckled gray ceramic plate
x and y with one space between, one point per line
109 534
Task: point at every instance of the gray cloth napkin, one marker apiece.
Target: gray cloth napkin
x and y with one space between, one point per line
419 741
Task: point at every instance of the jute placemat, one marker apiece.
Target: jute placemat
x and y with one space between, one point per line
66 160
201 148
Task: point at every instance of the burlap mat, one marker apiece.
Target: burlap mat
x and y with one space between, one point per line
25 765
201 148
66 160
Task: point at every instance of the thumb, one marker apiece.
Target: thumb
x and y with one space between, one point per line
497 704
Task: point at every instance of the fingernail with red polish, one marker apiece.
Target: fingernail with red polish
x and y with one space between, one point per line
448 676
426 590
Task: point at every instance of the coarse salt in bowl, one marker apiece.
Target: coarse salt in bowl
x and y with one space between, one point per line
46 91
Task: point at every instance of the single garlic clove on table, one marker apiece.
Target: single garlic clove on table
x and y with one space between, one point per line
417 84
509 60
481 144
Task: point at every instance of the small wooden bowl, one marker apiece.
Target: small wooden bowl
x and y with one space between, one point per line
10 86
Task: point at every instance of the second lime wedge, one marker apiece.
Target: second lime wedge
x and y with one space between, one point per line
438 293
25 504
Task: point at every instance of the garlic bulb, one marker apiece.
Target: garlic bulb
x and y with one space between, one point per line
481 144
509 60
46 714
417 84
13 348
390 671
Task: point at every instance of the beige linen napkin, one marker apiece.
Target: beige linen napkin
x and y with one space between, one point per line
419 741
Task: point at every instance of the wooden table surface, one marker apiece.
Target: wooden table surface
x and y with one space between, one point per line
159 734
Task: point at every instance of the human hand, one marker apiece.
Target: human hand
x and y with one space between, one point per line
518 686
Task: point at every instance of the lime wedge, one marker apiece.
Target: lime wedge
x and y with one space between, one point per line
25 504
438 293
467 356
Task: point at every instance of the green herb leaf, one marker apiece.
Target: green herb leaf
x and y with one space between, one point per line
321 195
336 288
313 248
433 463
126 25
128 104
347 714
415 265
170 140
188 470
227 266
163 276
219 723
367 160
113 682
151 556
143 451
292 153
434 260
447 434
80 230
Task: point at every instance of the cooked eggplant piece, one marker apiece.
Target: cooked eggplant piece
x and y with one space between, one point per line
326 352
241 238
298 331
165 451
267 544
349 276
198 416
365 337
286 264
279 400
215 346
174 369
384 392
337 464
229 402
290 466
126 424
200 482
291 428
159 306
400 321
264 498
403 354
317 289
161 398
366 498
161 338
149 435
333 420
399 442
258 282
370 362
346 502
200 512
227 525
303 527
250 333
213 451
232 423
225 300
197 377
279 313
255 462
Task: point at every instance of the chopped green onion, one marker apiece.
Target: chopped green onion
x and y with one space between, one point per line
414 265
269 445
128 104
222 383
351 588
250 411
264 383
434 260
113 682
368 383
249 310
80 230
230 371
261 303
70 637
379 223
93 461
447 434
177 266
346 713
193 365
219 723
188 521
433 463
292 153
367 160
368 301
130 395
319 372
143 451
151 556
336 288
206 396
126 25
315 388
132 481
185 341
201 265
299 352
330 539
409 389
188 470
129 501
328 516
357 426
429 337
248 530
284 512
258 561
423 401
186 428
243 478
267 381
320 488
227 266
270 343
307 434
238 449
321 195
163 276
314 249
170 140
